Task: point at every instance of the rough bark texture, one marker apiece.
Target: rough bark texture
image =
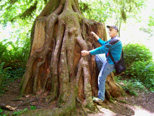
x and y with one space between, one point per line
55 64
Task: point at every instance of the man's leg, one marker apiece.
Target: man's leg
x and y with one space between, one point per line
100 60
105 71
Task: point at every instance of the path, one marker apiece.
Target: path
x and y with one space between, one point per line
135 106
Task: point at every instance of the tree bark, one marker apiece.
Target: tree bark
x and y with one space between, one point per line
55 64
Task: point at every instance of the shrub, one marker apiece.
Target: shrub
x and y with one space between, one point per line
3 48
136 52
3 72
144 71
8 75
132 86
3 76
13 54
139 64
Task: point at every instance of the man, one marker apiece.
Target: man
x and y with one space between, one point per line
104 61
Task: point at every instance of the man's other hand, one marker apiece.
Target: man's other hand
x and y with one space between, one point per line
85 53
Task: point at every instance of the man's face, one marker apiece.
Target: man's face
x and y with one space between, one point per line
112 32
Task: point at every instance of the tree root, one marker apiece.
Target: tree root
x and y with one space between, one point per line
66 109
51 65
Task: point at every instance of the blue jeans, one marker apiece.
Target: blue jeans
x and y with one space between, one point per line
105 69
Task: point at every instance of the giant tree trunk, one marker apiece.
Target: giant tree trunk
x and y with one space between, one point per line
55 64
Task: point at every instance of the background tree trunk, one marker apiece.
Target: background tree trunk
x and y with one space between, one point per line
55 64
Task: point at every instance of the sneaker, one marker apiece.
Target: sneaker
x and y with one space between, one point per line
97 100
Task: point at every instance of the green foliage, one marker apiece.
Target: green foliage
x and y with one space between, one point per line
14 74
13 10
151 20
136 52
14 54
33 107
17 113
139 64
3 73
3 48
131 86
8 75
14 51
143 71
114 10
148 27
98 10
1 111
128 7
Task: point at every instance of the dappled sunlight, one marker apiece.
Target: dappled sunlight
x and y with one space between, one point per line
133 111
139 111
103 112
107 112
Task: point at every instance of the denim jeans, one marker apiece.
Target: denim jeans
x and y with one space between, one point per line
105 69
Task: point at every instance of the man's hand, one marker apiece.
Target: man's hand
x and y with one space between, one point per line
85 53
94 34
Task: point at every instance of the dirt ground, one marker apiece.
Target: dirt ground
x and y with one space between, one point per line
141 105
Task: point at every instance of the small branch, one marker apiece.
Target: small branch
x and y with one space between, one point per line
7 107
27 102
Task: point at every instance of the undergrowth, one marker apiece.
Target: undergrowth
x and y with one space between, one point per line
132 86
16 113
8 75
139 74
13 58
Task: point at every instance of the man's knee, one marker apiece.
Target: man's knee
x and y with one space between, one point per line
100 58
101 79
97 59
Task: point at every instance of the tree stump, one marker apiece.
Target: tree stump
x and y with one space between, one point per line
55 64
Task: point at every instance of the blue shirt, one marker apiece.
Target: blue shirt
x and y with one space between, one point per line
115 49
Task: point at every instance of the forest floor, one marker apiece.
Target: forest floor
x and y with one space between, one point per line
141 105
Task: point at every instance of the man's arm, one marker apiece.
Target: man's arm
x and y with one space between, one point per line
85 52
98 50
98 38
94 34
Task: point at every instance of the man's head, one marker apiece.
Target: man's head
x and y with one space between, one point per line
113 30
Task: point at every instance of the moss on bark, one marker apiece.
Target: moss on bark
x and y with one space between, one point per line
55 64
